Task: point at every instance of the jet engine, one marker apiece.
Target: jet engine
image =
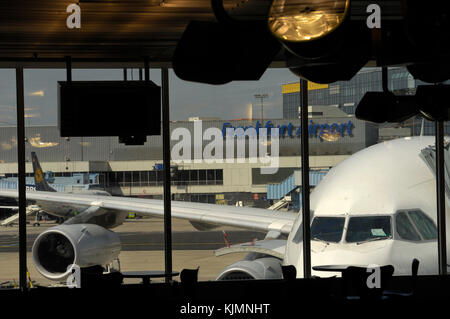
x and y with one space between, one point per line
84 245
253 267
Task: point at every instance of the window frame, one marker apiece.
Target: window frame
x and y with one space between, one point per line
422 240
344 228
397 235
392 237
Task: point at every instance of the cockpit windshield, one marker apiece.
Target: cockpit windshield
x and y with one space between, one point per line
368 228
327 229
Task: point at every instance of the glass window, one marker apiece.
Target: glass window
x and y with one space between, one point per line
368 228
327 229
102 179
112 179
120 177
202 176
219 174
159 176
136 178
152 178
424 224
144 176
193 176
404 228
183 177
211 176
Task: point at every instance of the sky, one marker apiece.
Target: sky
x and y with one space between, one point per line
187 99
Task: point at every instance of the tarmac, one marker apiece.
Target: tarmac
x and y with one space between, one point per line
192 249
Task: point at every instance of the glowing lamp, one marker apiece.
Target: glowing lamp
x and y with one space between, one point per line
305 20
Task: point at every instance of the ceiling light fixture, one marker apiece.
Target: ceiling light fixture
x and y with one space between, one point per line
297 21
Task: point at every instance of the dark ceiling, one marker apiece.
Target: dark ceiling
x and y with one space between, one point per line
111 30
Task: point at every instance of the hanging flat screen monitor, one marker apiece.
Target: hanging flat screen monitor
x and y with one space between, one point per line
109 108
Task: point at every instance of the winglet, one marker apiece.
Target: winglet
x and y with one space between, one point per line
39 178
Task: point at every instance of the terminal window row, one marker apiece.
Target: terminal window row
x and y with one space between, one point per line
149 178
155 178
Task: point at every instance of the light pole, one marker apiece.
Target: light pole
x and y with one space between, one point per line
262 97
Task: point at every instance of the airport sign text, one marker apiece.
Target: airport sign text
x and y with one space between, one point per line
314 129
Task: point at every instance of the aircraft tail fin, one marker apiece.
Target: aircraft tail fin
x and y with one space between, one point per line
39 178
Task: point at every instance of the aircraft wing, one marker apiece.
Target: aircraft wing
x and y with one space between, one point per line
10 207
244 217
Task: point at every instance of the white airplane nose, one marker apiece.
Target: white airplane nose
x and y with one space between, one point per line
339 256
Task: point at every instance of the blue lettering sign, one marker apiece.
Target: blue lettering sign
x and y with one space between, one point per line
290 127
314 129
224 128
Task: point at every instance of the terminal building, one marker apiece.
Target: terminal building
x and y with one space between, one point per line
345 95
137 170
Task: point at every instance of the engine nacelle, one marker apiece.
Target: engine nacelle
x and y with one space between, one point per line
84 245
260 268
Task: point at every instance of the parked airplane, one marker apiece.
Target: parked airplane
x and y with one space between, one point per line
376 207
61 211
42 185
